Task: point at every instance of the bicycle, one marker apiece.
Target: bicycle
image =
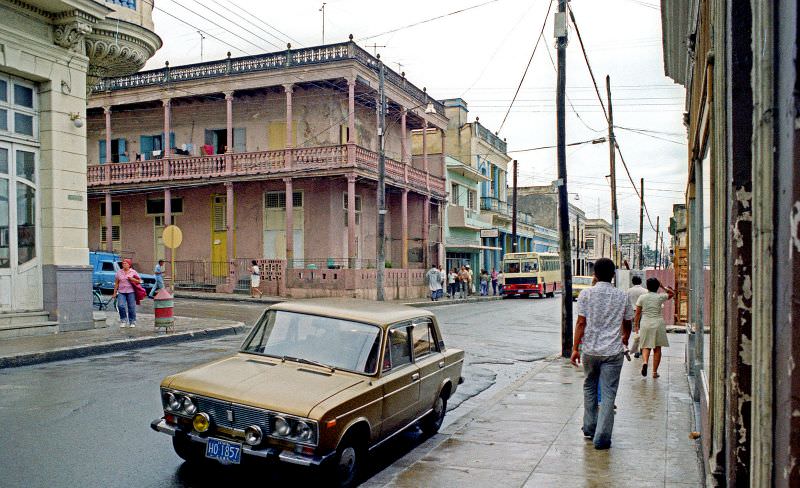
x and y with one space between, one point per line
99 301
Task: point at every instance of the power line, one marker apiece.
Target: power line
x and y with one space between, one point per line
652 136
428 20
538 39
589 141
237 25
246 13
176 2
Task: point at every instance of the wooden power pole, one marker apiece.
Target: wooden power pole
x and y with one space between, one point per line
563 205
381 240
641 223
514 209
612 150
657 236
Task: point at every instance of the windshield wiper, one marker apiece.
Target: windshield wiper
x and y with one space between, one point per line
308 361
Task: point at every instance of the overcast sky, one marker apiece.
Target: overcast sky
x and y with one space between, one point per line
480 55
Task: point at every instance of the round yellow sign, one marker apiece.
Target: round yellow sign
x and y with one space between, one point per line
172 236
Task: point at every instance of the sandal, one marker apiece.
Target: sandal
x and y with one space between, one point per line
656 375
644 369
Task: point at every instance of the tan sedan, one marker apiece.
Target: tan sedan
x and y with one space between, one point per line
315 383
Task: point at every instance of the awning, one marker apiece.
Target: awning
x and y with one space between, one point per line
473 247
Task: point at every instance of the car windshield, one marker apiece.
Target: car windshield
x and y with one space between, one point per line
340 344
530 266
581 280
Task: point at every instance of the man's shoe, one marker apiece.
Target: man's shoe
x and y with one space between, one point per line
637 355
602 447
123 324
133 324
587 436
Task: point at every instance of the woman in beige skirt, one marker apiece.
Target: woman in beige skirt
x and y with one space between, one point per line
649 323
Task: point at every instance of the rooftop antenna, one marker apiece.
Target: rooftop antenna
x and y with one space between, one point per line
202 37
322 9
399 66
374 48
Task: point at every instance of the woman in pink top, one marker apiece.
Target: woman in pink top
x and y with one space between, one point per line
126 295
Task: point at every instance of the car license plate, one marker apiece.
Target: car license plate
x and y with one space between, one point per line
224 451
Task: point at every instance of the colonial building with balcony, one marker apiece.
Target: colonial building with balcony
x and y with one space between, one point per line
48 51
266 157
599 242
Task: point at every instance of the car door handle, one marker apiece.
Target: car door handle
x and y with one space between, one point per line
415 377
441 364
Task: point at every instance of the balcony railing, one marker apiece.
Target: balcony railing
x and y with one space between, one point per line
266 62
506 209
258 163
490 138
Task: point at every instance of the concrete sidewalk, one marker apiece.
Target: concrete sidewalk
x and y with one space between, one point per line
269 300
529 435
22 351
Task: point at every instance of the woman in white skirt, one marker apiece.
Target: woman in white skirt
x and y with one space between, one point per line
255 280
649 323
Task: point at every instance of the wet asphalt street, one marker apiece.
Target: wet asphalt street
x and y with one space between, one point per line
86 422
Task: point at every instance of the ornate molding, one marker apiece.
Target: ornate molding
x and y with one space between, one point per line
71 35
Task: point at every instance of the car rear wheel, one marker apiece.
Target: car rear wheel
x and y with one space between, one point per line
191 452
433 421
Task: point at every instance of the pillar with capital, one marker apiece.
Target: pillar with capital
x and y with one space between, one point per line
166 150
404 224
426 224
289 89
351 122
425 155
167 219
352 252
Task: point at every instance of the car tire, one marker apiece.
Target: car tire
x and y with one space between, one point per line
433 421
347 464
191 452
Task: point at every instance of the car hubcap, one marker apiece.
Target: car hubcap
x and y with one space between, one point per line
347 462
438 408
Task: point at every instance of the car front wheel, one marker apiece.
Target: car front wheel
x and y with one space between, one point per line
348 462
433 421
191 452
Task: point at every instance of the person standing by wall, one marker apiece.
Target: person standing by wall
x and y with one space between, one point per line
484 277
124 292
649 323
452 283
470 280
158 271
463 280
601 334
494 282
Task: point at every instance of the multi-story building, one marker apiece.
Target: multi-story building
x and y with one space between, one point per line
273 156
50 48
629 250
541 202
738 62
599 242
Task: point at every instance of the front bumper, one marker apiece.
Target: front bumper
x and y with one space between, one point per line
274 453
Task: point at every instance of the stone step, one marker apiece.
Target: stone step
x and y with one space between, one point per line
26 324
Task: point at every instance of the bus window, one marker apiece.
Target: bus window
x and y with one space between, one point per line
511 267
530 266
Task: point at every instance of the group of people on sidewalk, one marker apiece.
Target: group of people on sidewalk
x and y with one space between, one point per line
459 283
606 320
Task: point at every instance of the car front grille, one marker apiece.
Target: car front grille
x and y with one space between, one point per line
232 416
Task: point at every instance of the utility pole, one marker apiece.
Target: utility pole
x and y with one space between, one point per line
514 209
560 21
322 9
657 257
202 37
641 223
381 185
612 150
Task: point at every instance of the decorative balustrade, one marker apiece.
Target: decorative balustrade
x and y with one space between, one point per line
266 62
258 163
490 138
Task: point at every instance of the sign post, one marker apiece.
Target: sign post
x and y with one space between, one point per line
172 237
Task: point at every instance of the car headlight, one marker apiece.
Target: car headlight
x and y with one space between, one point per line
201 422
172 402
253 435
303 431
188 406
282 427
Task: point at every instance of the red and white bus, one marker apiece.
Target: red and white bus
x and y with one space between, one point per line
531 273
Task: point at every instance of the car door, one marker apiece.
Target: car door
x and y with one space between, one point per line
400 380
429 360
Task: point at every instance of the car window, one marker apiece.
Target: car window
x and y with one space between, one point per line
108 266
423 339
398 352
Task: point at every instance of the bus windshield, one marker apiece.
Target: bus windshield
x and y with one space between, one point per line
530 266
511 267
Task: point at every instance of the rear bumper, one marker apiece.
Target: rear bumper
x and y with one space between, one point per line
525 289
277 454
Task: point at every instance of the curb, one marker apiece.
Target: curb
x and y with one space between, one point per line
452 302
229 298
27 359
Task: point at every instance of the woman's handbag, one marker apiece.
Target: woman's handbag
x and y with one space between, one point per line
635 344
139 292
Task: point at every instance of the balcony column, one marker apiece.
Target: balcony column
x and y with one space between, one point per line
425 155
228 131
167 220
404 224
109 223
426 224
404 144
289 88
351 122
107 111
166 150
289 223
352 252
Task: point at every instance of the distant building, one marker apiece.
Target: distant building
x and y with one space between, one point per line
541 202
599 242
629 250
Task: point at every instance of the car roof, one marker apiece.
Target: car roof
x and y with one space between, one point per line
377 313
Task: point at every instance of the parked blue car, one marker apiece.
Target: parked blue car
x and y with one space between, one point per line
105 265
